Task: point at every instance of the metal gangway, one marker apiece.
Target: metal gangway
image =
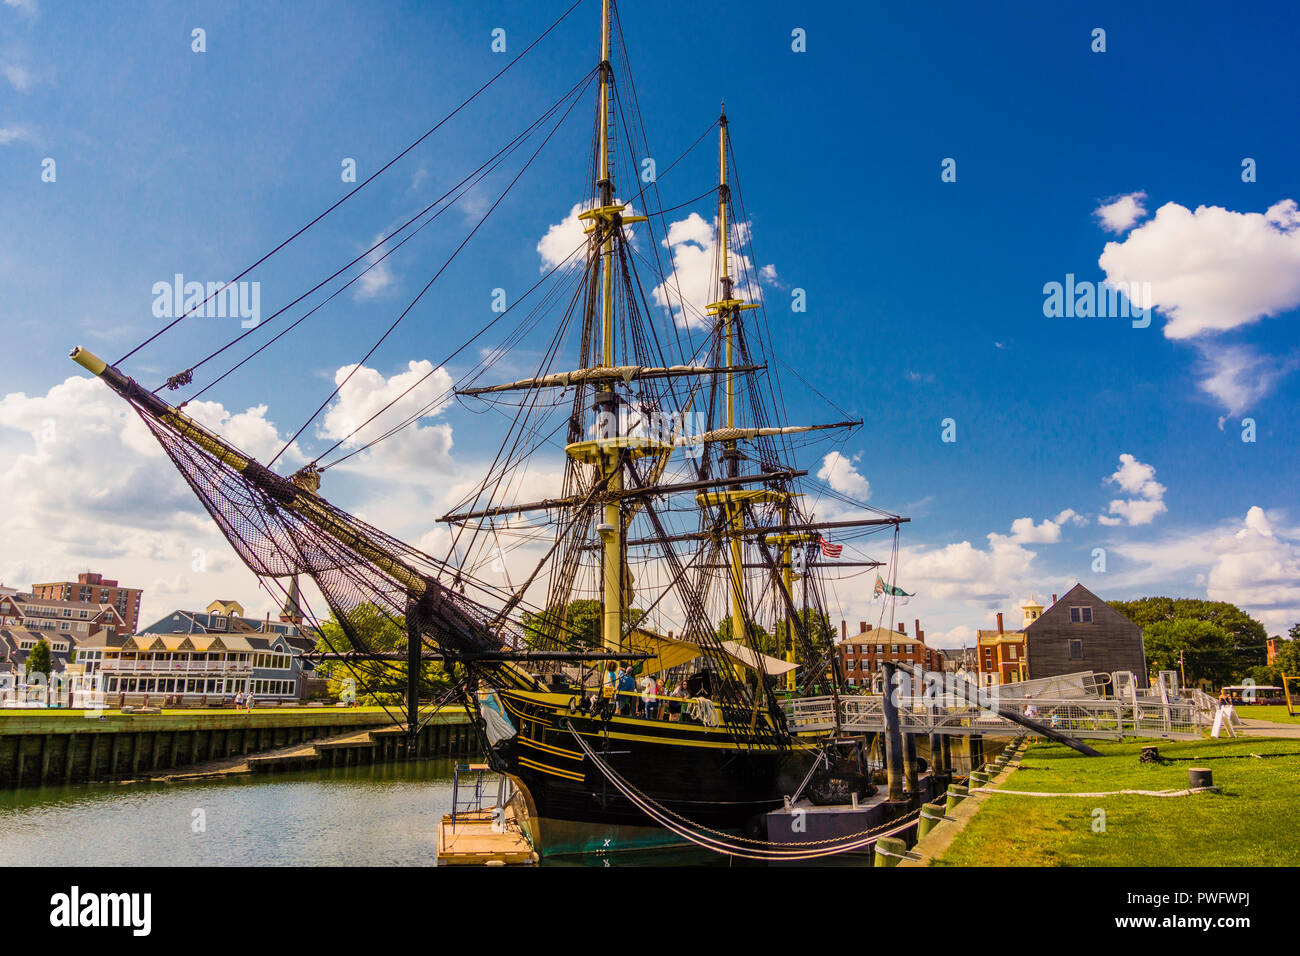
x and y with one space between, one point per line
1160 713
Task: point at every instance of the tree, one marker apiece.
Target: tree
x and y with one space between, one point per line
1287 662
764 642
578 626
1204 652
374 682
38 660
1248 636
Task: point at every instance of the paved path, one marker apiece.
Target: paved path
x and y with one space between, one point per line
1264 728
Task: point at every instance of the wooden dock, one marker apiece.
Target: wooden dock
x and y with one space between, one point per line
476 839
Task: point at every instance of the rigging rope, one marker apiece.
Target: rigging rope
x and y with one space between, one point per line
359 186
735 845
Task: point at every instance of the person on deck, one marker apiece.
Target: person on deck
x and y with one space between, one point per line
649 698
627 688
675 704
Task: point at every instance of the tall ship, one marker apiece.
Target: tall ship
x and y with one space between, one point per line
681 542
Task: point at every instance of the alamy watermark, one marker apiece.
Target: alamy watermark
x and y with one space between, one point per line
212 300
1085 299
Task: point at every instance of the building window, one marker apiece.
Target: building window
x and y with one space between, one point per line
1080 615
1076 650
1011 652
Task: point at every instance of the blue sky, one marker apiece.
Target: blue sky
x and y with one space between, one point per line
925 297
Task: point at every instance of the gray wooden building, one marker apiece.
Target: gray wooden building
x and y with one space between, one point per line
1082 632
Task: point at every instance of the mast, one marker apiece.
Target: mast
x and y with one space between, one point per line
728 309
608 450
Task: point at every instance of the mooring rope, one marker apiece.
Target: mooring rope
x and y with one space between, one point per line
728 844
1101 793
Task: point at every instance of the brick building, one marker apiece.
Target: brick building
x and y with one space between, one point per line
1000 656
93 588
70 619
864 653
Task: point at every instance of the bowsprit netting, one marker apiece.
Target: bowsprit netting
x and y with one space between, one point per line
282 527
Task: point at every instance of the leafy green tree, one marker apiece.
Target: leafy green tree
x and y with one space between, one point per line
578 626
758 636
38 659
1248 636
1286 663
375 682
1203 651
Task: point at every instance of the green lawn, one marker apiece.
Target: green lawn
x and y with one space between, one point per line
1272 712
1251 823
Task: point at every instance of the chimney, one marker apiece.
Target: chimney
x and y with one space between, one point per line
862 625
920 634
999 622
1053 598
902 628
844 630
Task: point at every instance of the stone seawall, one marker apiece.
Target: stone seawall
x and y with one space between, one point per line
60 747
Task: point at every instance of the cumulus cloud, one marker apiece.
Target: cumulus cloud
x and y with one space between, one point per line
1025 531
85 485
1252 562
368 390
1146 494
694 281
841 473
1212 269
563 237
1121 213
1259 569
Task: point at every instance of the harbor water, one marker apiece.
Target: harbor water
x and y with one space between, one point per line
358 816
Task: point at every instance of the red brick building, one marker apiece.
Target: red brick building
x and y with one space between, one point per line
864 653
72 619
92 588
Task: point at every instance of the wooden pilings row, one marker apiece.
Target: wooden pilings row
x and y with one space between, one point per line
40 759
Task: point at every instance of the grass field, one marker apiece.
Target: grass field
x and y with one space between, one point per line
1273 712
1251 823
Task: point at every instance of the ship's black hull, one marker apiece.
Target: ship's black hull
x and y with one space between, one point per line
701 773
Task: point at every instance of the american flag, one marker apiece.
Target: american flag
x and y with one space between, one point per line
828 549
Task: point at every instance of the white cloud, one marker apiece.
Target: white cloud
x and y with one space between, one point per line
693 283
14 134
1213 269
1024 530
1147 494
19 77
1238 376
1252 562
367 391
26 7
1122 212
86 486
841 473
1258 569
1071 516
563 237
379 279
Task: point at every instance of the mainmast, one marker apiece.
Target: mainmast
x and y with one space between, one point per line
728 309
